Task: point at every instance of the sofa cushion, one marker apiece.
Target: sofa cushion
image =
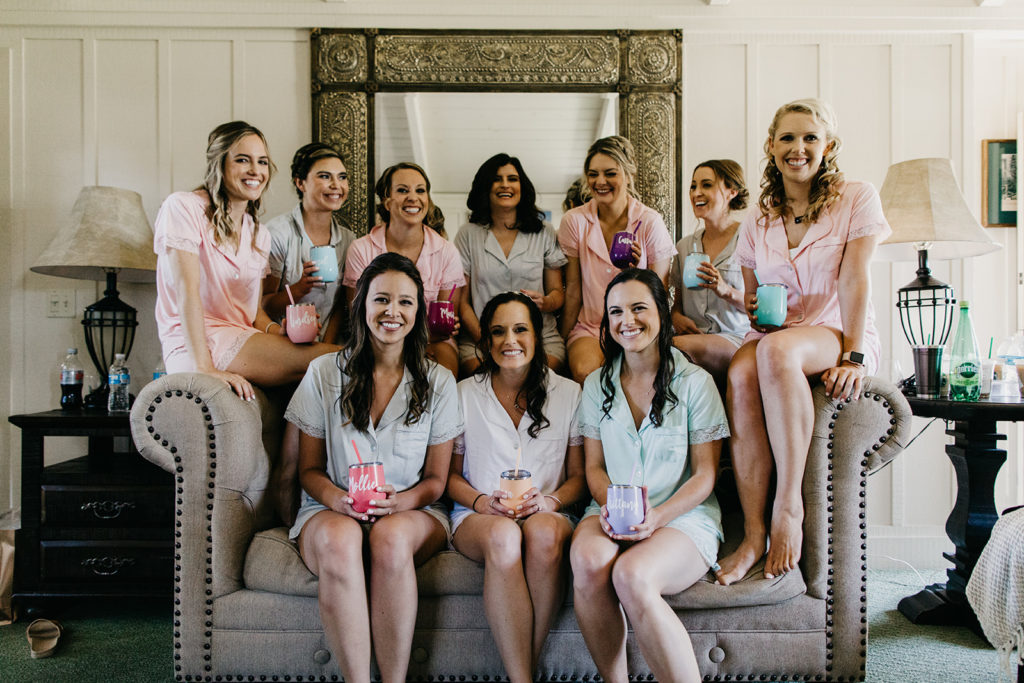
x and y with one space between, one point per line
273 564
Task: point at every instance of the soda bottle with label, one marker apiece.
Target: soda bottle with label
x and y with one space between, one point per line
71 375
965 368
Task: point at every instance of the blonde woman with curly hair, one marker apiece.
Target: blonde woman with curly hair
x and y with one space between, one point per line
816 233
586 235
211 259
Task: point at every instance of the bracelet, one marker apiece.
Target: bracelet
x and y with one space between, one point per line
266 330
557 501
473 506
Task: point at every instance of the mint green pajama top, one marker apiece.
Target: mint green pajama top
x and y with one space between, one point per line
662 451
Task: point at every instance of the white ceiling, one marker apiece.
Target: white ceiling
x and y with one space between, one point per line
451 134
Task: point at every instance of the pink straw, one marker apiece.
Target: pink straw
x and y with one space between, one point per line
290 297
356 449
452 293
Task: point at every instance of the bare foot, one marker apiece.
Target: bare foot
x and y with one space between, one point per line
736 565
787 536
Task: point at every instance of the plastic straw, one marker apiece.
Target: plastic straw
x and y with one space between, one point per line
519 456
632 474
990 340
757 277
636 227
356 449
290 297
452 293
929 339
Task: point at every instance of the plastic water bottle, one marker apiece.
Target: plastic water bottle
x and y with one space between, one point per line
159 371
965 369
118 379
71 375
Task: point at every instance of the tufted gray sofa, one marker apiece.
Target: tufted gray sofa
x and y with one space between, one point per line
245 605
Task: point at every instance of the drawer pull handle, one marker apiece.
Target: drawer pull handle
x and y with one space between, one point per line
107 566
107 509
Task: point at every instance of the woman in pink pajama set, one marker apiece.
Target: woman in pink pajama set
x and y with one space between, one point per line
211 261
816 233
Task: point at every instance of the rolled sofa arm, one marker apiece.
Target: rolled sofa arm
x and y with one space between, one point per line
220 449
850 440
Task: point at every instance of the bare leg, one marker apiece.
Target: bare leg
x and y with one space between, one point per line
468 367
498 543
445 355
751 459
598 613
270 359
663 564
585 356
546 537
710 351
397 544
284 478
784 361
331 545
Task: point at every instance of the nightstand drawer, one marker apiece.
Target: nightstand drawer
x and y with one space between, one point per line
107 506
102 561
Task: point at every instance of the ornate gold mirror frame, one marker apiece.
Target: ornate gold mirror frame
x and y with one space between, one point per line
643 67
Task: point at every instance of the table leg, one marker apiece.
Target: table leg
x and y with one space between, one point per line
976 461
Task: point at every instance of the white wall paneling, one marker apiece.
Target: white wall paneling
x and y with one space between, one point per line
84 102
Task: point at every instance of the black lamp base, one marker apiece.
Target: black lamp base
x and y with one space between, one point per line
96 400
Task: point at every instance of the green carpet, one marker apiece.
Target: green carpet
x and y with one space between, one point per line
131 641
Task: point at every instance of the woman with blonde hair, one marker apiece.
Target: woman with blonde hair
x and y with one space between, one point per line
816 233
211 260
586 235
412 225
711 320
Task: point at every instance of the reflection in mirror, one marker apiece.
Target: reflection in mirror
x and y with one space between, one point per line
451 134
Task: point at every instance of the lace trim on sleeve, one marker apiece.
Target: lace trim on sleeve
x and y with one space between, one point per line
745 262
174 242
864 230
315 431
448 435
590 431
720 431
576 440
459 447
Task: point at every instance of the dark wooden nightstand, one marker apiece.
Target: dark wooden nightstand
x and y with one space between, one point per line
96 525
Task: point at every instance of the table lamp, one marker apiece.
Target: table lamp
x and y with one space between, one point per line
928 215
108 235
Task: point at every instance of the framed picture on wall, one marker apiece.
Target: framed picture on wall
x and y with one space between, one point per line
999 183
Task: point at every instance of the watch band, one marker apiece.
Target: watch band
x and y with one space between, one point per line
855 357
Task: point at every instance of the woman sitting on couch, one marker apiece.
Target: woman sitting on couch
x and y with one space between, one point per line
650 417
378 400
517 413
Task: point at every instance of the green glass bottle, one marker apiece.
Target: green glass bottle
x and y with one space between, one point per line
965 368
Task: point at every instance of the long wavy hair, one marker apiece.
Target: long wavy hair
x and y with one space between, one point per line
528 216
731 175
621 151
434 218
535 388
307 155
218 144
358 359
663 394
825 186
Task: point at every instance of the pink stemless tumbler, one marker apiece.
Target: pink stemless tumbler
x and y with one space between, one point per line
625 506
363 480
302 323
441 318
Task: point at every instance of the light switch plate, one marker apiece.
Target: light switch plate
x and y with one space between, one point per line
60 303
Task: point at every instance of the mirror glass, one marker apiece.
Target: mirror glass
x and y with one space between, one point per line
451 134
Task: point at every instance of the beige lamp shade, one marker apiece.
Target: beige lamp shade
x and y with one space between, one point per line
924 205
108 230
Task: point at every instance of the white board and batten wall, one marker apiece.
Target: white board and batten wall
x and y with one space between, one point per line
130 106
